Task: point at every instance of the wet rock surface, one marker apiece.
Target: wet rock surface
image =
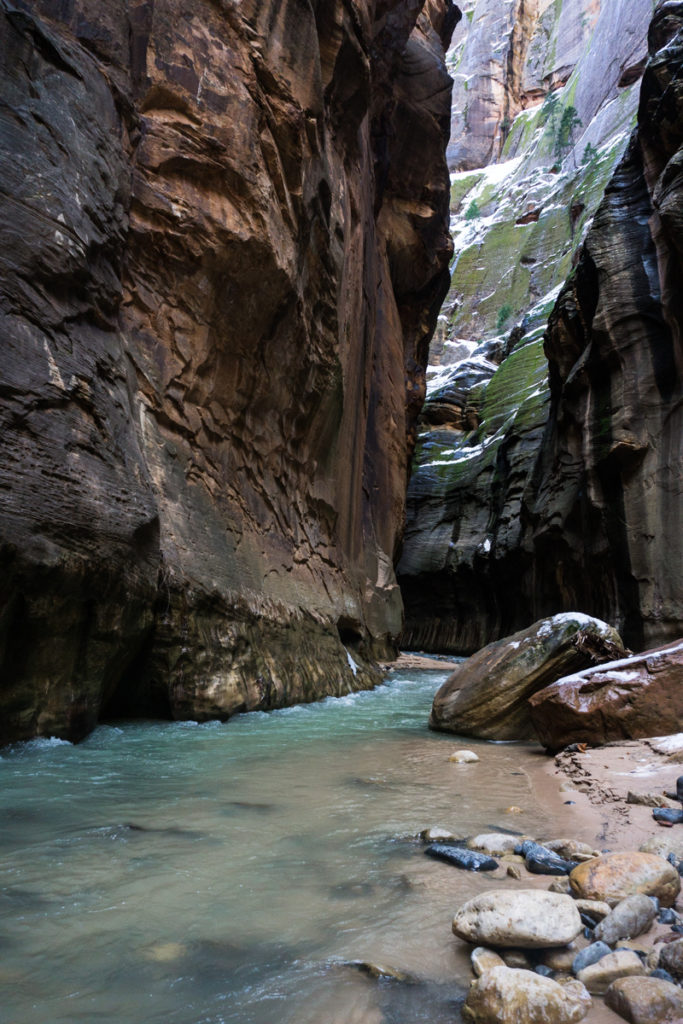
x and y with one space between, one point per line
509 996
487 696
632 698
645 1000
490 505
226 245
615 876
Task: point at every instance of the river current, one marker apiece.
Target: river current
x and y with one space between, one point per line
230 873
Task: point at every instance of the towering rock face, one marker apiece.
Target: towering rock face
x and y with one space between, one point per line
611 474
547 476
224 250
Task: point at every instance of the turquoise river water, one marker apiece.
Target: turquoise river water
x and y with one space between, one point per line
228 873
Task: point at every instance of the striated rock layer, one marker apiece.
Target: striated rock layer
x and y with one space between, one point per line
224 246
548 476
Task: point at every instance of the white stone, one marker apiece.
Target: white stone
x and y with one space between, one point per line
463 757
495 843
524 919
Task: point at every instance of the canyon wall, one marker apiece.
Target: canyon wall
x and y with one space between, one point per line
547 474
224 248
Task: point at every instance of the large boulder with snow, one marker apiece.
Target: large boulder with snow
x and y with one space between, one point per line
487 696
626 699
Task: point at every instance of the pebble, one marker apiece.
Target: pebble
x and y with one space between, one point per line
599 976
509 996
516 958
494 843
437 835
514 871
614 876
560 885
572 849
513 809
631 917
645 1000
559 959
518 919
594 908
590 955
484 959
463 757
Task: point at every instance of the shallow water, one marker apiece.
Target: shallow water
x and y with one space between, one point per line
175 872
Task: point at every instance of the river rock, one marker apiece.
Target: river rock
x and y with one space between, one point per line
652 800
590 955
571 849
516 958
435 834
599 976
494 843
613 876
507 996
526 918
541 861
487 696
668 816
671 959
594 908
460 857
464 757
645 1000
631 917
560 959
484 959
625 699
665 843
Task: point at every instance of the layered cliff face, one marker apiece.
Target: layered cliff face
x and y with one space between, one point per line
547 477
224 250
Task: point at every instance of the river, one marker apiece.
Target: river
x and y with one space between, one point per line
228 873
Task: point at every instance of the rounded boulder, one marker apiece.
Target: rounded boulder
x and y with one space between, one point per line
507 996
615 876
645 1000
523 919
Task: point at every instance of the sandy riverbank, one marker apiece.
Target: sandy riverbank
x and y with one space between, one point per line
585 796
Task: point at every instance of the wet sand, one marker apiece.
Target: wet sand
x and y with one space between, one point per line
588 792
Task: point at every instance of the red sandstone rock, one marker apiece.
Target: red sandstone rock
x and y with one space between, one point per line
628 699
225 243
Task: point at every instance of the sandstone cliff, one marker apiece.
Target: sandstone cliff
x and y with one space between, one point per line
547 476
224 248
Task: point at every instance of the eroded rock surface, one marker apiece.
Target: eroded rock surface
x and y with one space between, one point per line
628 699
224 238
487 696
548 464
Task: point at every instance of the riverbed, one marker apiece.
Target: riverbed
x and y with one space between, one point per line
234 873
